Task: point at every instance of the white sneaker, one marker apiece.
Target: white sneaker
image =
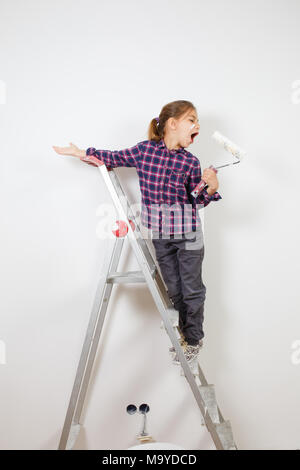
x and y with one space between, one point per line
190 352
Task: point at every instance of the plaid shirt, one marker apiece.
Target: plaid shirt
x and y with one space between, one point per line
166 179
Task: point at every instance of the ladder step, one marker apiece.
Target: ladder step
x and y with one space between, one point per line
208 395
194 369
225 434
128 276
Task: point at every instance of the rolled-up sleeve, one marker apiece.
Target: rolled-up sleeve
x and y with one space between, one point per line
114 158
195 177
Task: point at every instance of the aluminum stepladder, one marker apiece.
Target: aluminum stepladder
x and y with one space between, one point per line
203 392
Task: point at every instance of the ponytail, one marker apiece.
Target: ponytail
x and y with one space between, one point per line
155 130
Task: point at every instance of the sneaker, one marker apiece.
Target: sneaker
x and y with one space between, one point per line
183 343
190 352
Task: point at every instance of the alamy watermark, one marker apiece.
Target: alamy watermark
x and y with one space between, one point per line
170 219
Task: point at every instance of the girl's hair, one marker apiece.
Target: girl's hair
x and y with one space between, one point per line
174 109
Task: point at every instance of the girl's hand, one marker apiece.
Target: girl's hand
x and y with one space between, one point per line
210 177
72 150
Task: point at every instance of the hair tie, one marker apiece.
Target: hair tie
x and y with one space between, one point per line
157 120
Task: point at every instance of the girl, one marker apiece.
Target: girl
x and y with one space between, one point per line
167 175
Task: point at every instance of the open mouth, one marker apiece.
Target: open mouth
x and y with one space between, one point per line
194 135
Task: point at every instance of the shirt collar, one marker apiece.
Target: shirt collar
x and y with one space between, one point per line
161 144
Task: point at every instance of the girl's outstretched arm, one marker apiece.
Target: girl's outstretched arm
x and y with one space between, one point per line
72 150
126 157
112 159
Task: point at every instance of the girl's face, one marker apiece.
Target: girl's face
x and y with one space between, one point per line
186 128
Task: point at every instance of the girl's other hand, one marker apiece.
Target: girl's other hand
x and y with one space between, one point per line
72 150
210 177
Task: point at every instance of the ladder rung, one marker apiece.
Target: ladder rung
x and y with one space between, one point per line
209 397
225 434
129 276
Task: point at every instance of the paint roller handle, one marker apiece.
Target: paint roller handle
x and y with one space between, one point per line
202 185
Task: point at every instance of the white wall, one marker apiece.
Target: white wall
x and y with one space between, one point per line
95 73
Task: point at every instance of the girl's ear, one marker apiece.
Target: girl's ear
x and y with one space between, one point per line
172 123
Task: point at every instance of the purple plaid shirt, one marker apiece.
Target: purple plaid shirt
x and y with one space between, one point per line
166 179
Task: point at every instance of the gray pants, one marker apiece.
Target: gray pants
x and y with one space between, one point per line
180 260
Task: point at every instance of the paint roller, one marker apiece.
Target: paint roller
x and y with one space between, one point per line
236 151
